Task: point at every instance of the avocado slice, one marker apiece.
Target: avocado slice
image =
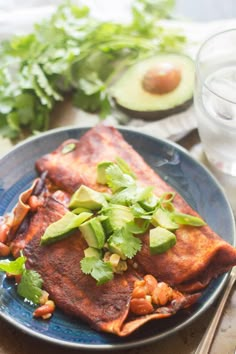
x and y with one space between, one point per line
85 197
93 252
93 233
63 227
155 87
160 240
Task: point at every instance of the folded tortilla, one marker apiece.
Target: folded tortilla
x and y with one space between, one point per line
104 307
199 255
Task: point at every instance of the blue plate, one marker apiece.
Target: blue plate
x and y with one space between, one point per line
182 172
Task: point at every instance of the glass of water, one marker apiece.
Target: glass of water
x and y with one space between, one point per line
215 100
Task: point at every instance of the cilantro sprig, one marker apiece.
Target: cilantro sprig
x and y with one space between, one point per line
124 241
30 285
74 52
15 267
99 270
117 180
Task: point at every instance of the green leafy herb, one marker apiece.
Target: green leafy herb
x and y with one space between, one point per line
30 286
118 180
124 243
131 195
125 168
116 216
146 12
15 267
74 52
99 270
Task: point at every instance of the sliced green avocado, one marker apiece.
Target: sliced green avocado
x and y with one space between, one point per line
142 92
86 197
93 233
63 227
160 240
93 252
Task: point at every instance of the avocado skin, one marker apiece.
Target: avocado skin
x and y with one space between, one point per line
155 115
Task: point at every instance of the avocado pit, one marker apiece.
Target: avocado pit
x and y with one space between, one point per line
161 78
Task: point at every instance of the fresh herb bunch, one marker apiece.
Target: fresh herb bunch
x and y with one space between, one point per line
73 52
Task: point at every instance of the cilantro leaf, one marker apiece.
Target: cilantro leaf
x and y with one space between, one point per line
124 197
124 166
30 286
102 272
124 243
15 267
98 269
131 195
116 179
87 264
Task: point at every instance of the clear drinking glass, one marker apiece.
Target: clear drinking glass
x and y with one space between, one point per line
215 100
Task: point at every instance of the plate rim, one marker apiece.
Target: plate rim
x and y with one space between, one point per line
136 342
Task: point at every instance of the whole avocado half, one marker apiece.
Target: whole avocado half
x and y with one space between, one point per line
134 91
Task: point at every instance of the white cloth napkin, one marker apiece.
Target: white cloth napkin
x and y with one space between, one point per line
18 17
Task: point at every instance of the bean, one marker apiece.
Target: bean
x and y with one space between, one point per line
44 297
139 292
139 283
4 229
150 282
162 294
141 306
47 308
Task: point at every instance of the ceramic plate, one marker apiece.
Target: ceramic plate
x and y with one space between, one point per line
181 171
